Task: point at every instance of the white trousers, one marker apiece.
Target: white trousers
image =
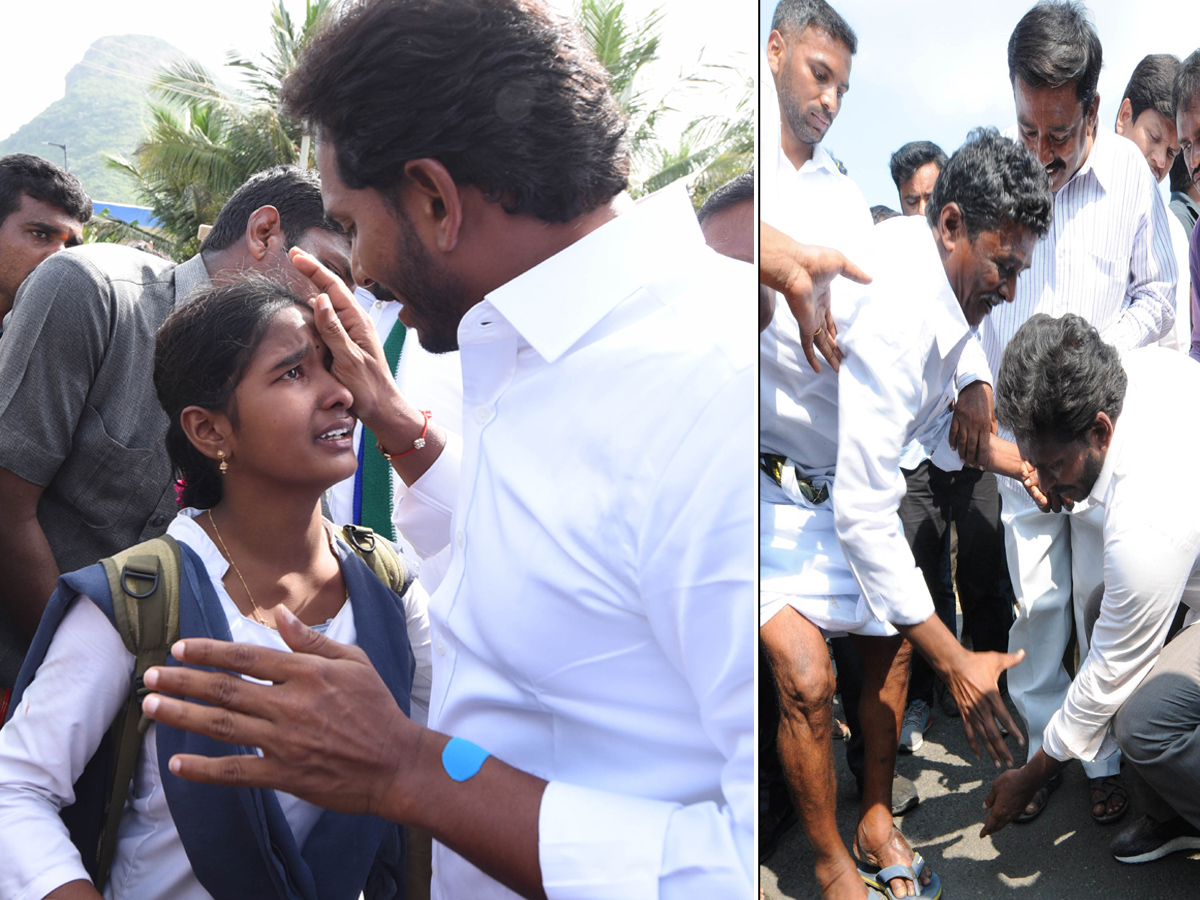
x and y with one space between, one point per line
1055 561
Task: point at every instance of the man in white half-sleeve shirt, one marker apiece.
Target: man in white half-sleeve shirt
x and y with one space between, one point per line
1104 427
591 719
935 279
1108 258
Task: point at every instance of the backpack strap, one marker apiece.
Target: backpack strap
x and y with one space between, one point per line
144 584
379 555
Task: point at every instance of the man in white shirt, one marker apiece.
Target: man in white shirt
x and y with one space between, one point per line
593 632
1147 117
1108 258
1104 428
843 564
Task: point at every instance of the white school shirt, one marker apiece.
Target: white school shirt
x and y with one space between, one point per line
1107 257
596 625
1151 549
898 379
66 711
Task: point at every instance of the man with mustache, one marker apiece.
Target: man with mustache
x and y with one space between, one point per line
1108 258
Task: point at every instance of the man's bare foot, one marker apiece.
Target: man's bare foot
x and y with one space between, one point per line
892 851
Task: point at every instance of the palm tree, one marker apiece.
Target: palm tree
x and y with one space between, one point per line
203 141
713 148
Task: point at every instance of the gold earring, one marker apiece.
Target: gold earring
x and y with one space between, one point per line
224 466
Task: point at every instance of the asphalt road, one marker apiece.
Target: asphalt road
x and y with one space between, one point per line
1061 854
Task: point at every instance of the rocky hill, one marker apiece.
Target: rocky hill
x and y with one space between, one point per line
100 112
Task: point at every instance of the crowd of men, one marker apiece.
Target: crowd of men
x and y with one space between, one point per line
594 635
1009 370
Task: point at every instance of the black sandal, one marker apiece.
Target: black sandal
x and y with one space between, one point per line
1039 800
1107 787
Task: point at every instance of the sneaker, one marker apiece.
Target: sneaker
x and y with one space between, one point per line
904 795
1148 840
916 722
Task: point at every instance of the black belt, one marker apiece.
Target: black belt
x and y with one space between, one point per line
773 465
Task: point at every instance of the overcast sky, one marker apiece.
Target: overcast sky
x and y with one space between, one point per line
44 40
933 69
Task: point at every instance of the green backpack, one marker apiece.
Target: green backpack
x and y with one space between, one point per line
144 583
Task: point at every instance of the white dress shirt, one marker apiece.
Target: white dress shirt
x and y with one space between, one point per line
897 385
1107 257
595 626
903 342
1150 497
68 708
815 204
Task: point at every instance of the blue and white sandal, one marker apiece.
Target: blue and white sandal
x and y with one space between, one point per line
879 878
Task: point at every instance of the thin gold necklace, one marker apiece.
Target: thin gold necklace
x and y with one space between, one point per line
258 616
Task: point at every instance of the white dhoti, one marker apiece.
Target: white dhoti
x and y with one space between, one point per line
801 564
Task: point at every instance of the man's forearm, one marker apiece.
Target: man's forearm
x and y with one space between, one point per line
1004 458
490 819
28 571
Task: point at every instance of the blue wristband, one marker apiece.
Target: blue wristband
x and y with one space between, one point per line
461 759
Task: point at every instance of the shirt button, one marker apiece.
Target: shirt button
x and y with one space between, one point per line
483 414
379 304
441 647
460 540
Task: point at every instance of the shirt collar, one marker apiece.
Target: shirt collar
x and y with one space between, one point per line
191 278
952 325
1098 160
559 300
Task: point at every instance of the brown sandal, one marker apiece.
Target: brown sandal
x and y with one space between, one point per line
1103 790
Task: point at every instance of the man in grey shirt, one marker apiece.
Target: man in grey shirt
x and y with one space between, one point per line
83 470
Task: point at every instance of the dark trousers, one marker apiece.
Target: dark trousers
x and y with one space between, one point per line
971 500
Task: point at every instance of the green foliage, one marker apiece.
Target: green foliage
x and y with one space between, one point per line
100 112
202 141
712 148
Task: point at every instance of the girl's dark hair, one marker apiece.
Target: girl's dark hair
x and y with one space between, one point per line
200 356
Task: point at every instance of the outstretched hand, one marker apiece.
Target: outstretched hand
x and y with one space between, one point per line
803 274
974 686
1010 794
328 727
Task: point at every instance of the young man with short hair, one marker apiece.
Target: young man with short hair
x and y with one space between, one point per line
1147 118
42 210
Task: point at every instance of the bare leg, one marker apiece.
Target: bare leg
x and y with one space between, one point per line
881 708
803 674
